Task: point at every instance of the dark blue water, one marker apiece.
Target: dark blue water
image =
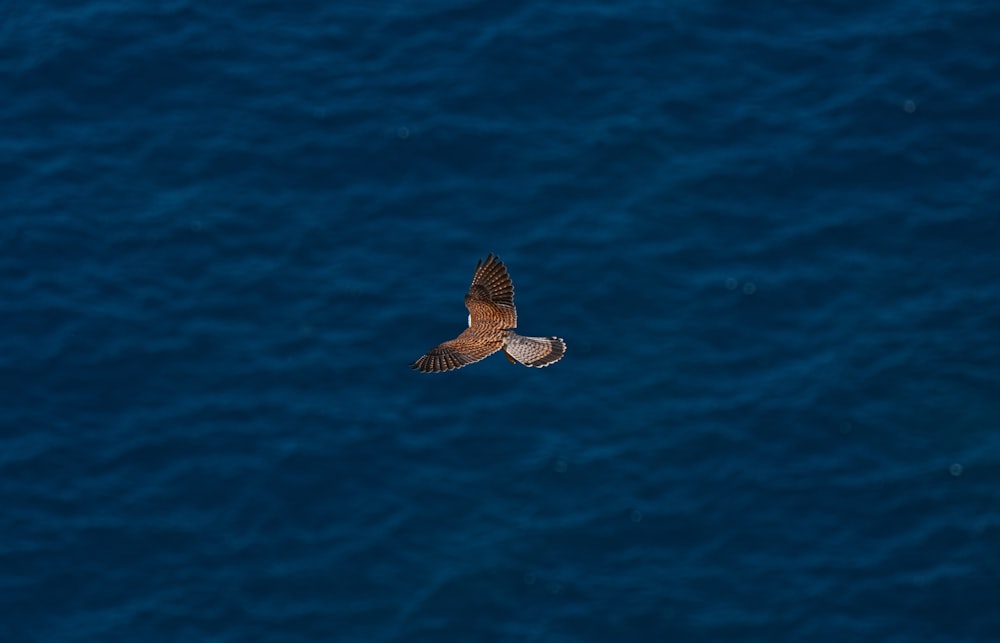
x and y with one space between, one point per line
768 233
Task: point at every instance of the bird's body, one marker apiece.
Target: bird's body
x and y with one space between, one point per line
492 318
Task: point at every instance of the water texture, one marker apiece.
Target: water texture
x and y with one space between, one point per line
768 233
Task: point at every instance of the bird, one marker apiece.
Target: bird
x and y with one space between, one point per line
492 320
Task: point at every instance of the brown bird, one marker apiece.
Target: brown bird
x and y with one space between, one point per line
492 318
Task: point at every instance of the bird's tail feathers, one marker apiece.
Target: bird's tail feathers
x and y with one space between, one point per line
534 351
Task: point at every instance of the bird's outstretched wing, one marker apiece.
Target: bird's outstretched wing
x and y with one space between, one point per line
490 299
467 348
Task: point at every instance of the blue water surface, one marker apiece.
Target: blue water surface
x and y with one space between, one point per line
768 233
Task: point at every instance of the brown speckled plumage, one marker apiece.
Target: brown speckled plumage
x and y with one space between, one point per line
492 317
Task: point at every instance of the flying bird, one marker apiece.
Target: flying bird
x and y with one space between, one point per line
492 320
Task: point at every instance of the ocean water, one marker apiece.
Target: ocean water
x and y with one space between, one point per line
767 232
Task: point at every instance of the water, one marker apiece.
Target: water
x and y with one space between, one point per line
768 236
